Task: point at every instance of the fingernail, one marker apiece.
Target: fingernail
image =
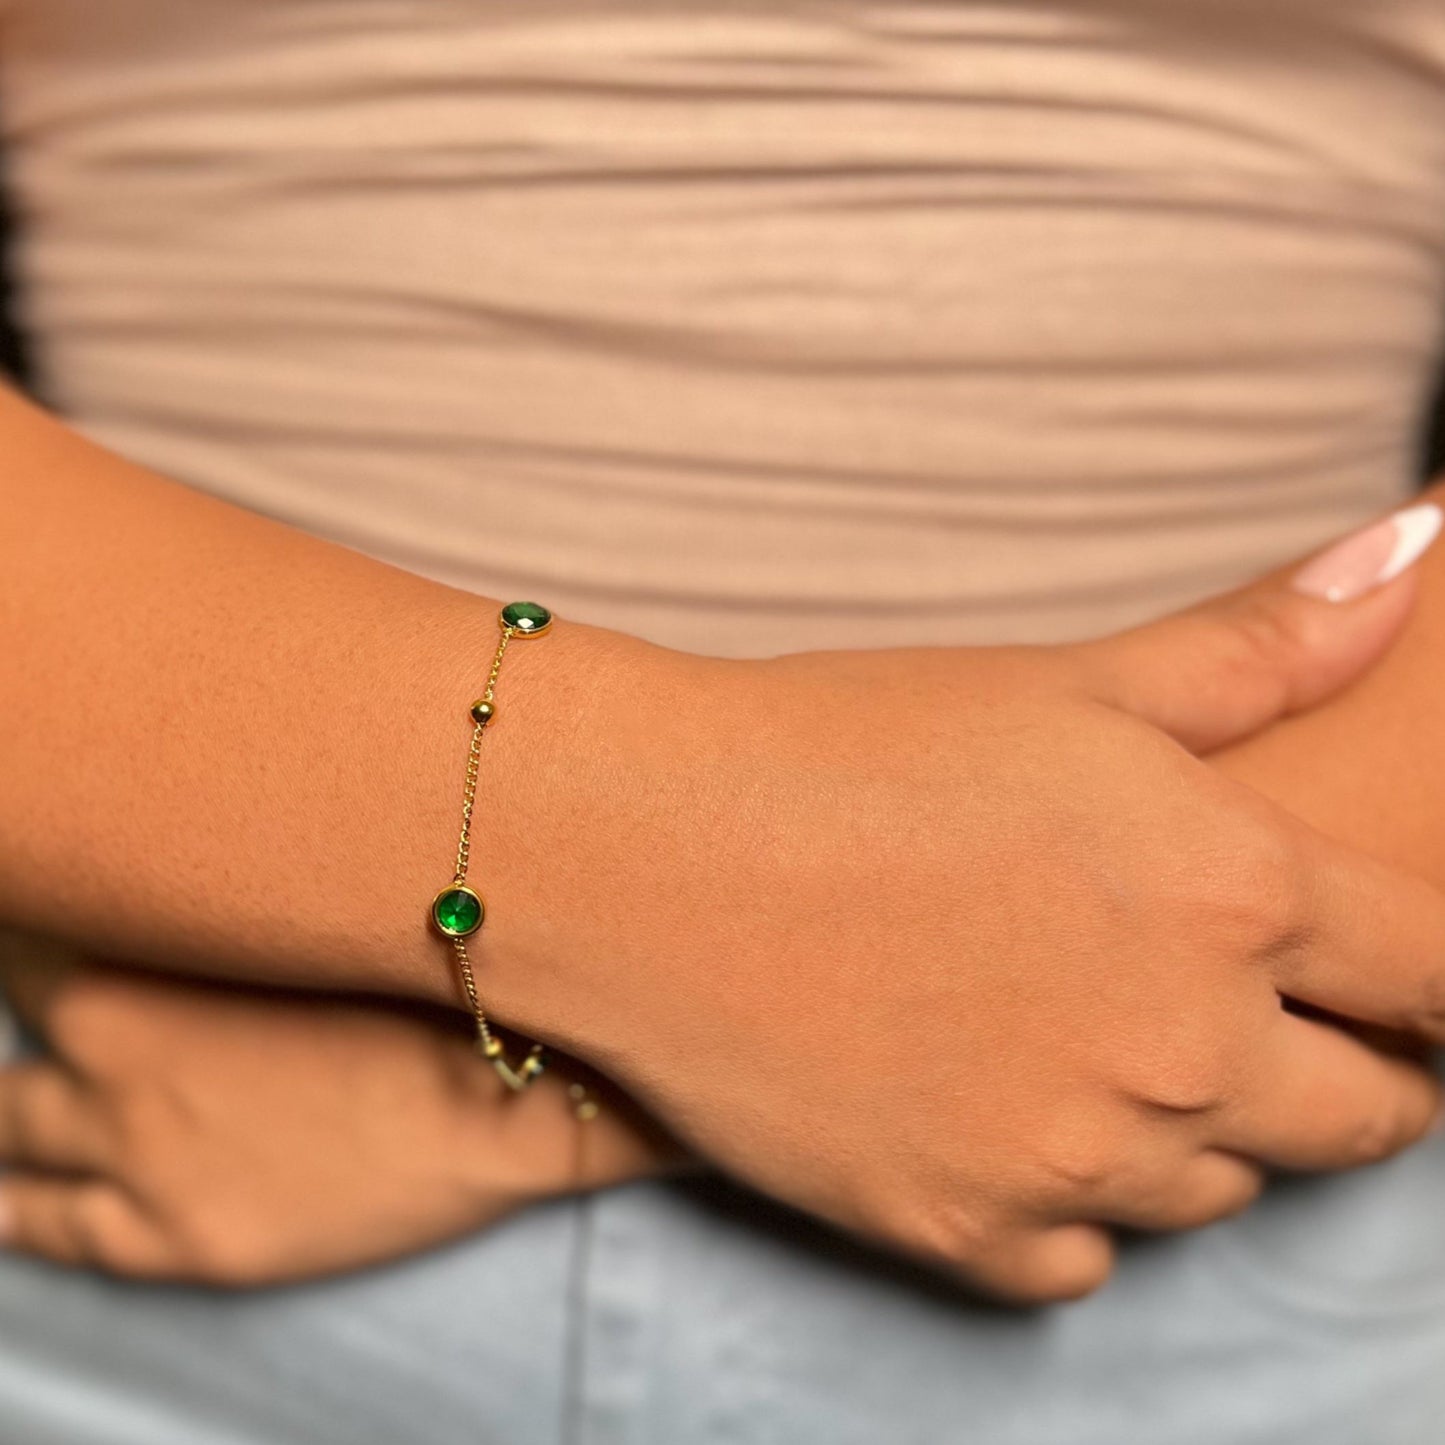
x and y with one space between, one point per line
1437 1124
1371 557
7 1221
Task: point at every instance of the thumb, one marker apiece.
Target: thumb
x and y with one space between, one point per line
1220 671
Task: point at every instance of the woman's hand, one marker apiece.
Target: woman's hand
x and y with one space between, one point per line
190 1132
962 949
959 949
1369 768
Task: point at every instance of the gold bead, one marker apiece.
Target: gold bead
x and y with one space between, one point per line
492 1048
483 712
584 1106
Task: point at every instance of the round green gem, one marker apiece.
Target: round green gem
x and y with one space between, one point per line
529 618
457 911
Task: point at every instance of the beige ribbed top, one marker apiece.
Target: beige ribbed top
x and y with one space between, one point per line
751 326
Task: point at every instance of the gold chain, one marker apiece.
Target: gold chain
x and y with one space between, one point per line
458 910
474 753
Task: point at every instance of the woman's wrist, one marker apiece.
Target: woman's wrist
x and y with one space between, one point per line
599 757
234 748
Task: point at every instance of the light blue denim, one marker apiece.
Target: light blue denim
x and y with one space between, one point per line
699 1315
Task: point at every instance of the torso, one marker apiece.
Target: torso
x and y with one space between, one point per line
928 322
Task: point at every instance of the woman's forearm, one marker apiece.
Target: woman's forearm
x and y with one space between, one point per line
228 742
1369 766
853 924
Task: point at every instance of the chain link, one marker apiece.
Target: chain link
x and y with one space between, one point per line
487 1043
474 753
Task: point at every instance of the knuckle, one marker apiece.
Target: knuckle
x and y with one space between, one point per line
1071 1265
1256 890
1376 1136
1265 640
1200 1076
1078 1161
955 1237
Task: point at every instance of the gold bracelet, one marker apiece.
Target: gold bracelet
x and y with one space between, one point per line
457 910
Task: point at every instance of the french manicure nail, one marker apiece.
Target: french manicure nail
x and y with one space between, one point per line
1370 557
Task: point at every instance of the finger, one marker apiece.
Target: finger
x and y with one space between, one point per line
1206 1187
1365 940
48 1120
87 1224
1214 1185
1218 672
32 974
1324 1100
1046 1266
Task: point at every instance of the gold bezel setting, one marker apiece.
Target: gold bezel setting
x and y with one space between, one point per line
449 891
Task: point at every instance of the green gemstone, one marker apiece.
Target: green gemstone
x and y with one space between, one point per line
526 617
457 911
